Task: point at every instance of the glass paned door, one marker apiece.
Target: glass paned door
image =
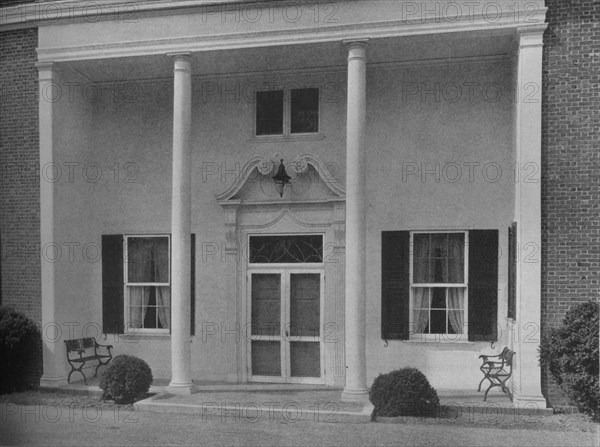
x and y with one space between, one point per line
266 324
285 311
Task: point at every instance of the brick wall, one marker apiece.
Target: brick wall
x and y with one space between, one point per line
570 165
19 181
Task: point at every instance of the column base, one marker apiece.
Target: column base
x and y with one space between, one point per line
182 388
53 382
361 395
530 401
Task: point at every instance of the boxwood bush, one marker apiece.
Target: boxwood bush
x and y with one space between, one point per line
404 392
125 379
20 351
571 355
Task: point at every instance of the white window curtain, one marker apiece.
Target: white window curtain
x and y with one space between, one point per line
163 300
456 296
456 312
421 274
438 258
421 309
160 252
148 262
138 305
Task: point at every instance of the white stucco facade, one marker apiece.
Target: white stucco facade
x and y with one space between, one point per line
427 121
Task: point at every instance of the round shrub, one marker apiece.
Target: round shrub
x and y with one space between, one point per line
20 351
404 392
125 379
571 355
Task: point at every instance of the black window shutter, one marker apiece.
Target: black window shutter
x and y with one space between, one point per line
193 288
483 285
395 287
512 271
112 284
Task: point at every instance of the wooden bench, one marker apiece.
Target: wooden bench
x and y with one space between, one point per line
497 369
87 351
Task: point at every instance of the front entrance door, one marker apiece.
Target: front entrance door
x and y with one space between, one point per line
285 312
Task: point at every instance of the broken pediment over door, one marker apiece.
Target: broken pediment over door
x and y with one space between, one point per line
310 181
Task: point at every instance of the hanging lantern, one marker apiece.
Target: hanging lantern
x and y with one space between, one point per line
281 178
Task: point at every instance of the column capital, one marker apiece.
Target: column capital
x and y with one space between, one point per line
185 55
530 36
45 70
181 61
356 43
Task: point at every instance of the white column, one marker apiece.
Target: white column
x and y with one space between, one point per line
528 215
53 346
355 342
181 228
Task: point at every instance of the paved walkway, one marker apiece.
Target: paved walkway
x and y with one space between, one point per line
224 401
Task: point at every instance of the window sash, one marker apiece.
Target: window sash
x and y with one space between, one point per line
286 113
126 257
437 285
270 113
128 285
423 326
300 98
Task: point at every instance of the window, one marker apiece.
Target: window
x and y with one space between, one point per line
439 283
269 113
147 282
136 284
286 249
289 112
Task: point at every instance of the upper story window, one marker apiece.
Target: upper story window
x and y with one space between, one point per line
287 112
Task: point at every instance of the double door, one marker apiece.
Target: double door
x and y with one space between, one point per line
285 325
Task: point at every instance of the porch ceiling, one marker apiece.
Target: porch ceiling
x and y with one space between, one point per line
305 56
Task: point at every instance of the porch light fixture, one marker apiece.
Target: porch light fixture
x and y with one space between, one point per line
281 178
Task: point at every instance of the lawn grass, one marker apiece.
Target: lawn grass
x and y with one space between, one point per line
558 422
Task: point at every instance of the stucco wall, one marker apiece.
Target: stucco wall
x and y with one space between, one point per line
465 144
134 134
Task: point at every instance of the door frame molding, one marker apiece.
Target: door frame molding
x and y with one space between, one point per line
321 208
326 219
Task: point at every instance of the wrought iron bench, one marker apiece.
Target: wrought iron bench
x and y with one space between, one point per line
87 350
497 369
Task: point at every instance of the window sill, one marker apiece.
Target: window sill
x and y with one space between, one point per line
147 335
287 138
439 342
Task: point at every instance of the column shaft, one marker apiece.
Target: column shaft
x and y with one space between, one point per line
356 386
181 228
529 222
53 347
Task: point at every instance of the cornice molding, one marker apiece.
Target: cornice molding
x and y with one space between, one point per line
312 34
29 15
